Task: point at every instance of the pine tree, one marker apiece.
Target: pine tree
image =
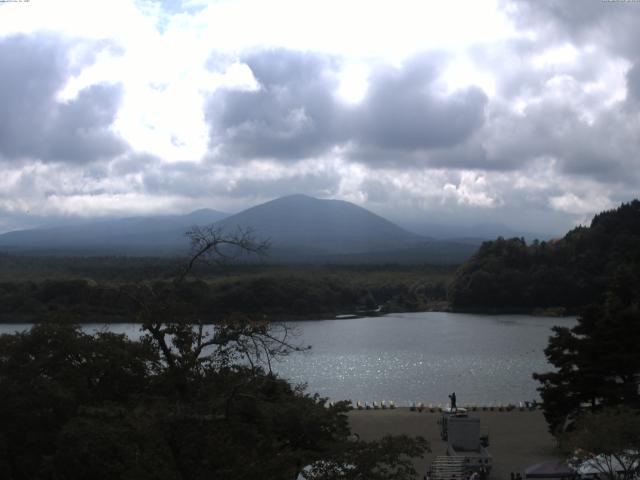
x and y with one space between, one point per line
598 360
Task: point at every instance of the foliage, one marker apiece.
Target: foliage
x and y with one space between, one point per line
187 401
320 292
608 442
388 459
48 373
598 360
509 275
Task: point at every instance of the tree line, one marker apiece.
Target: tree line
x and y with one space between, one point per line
194 398
591 399
507 275
288 295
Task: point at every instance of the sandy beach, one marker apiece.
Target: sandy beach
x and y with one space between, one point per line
517 439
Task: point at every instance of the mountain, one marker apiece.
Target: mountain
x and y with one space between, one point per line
300 229
320 226
133 235
471 233
508 275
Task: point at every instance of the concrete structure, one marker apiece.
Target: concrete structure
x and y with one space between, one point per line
466 441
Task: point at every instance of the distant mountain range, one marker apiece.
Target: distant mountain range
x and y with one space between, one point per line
134 235
474 233
323 226
300 229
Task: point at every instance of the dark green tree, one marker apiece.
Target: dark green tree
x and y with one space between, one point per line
598 360
566 274
194 399
607 442
47 375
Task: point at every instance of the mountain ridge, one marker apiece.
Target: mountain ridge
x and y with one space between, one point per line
324 225
103 233
300 228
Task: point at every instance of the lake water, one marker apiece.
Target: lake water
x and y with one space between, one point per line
414 356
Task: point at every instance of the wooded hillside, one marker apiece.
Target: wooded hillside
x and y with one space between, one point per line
507 275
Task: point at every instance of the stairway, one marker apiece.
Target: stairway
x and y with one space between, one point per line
445 467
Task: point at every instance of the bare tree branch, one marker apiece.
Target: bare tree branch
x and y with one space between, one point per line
190 347
212 245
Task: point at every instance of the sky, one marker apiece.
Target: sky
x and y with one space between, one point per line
525 113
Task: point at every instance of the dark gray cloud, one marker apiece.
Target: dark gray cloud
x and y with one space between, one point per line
78 130
402 112
604 149
633 87
296 114
600 22
574 16
292 116
33 123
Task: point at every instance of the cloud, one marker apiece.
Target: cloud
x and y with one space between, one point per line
34 123
138 107
571 203
296 112
292 115
605 148
401 110
564 95
79 130
610 23
633 87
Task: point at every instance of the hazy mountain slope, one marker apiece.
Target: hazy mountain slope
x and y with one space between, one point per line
142 233
301 229
433 252
322 226
476 233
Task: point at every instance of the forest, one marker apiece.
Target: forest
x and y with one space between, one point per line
183 402
95 289
556 277
187 402
559 276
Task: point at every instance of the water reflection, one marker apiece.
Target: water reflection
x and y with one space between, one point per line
412 357
424 357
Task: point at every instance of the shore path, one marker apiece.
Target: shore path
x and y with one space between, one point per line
517 439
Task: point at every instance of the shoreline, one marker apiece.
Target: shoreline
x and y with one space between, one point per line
107 319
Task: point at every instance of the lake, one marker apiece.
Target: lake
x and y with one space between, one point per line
414 356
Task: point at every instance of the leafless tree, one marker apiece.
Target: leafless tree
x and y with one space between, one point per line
190 342
211 244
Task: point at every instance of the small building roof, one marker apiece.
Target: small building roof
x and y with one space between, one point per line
554 469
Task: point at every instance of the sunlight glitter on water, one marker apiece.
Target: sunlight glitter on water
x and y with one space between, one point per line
412 356
423 357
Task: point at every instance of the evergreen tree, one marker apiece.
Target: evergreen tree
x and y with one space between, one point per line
598 360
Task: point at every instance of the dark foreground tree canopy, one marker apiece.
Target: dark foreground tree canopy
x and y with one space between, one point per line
508 275
597 362
188 401
76 406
